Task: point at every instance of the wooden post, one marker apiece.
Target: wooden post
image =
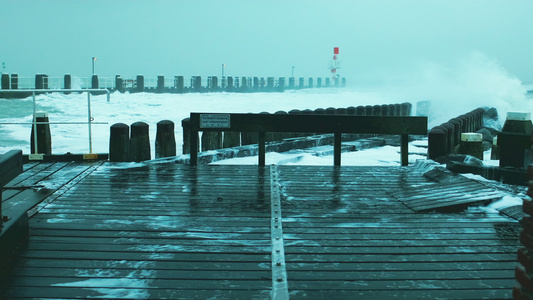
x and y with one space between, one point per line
450 131
229 88
270 84
385 110
301 84
319 82
369 110
360 111
39 81
244 84
160 84
214 83
140 85
14 81
437 141
119 143
310 84
327 82
6 82
376 110
198 84
193 143
119 84
256 84
406 109
262 149
94 82
231 139
44 138
292 83
344 82
211 140
140 142
404 149
337 149
179 83
67 82
165 140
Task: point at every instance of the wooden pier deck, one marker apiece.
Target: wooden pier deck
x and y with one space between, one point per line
249 232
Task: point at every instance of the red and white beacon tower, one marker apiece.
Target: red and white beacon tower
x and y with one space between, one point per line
334 66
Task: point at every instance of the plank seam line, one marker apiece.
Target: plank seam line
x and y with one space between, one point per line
63 189
280 286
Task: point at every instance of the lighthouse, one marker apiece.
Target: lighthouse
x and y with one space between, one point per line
334 65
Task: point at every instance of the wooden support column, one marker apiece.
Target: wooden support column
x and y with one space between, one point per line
337 149
262 149
193 144
404 149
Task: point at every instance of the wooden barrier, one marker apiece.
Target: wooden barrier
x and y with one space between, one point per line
165 140
263 123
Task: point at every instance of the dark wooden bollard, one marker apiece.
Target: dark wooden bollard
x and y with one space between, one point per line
351 110
6 82
186 126
94 82
360 111
397 109
406 109
369 110
231 139
437 141
341 111
319 82
44 138
377 110
211 140
165 141
14 81
67 82
301 83
140 85
140 142
385 110
229 88
328 84
198 84
456 131
472 144
331 111
160 84
179 83
310 83
214 83
119 84
450 131
320 111
119 143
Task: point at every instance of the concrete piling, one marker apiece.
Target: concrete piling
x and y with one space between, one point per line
165 140
140 142
119 143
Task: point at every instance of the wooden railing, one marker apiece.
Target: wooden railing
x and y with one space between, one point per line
336 124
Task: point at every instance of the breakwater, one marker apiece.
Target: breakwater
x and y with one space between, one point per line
162 84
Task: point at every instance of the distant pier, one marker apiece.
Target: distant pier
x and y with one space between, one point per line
162 84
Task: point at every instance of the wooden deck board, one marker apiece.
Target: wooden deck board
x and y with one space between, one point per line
174 231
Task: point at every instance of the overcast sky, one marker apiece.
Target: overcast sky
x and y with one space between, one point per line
377 38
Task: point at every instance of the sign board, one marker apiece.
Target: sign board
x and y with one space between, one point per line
214 121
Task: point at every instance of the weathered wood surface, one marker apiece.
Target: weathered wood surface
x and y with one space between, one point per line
175 231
